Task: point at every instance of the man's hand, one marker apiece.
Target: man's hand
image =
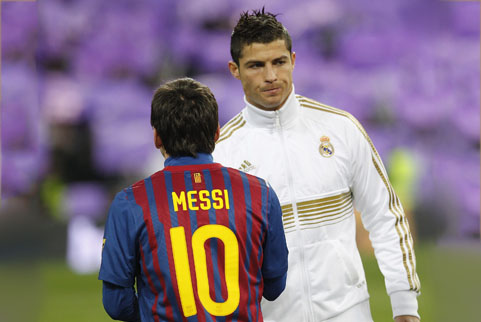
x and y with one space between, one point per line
406 318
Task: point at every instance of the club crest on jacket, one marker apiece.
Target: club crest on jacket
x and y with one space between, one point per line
326 149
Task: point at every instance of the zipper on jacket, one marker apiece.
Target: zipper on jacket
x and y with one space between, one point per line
305 277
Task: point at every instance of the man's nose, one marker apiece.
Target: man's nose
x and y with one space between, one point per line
271 75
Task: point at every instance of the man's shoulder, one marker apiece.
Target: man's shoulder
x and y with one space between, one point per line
129 192
136 185
241 175
317 108
338 118
232 128
231 136
121 203
126 195
319 111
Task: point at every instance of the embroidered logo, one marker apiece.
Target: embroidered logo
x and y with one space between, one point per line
197 177
246 166
326 149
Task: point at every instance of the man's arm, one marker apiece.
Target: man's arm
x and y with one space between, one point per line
383 216
273 287
120 302
274 266
117 270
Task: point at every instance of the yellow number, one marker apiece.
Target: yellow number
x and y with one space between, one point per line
231 250
182 270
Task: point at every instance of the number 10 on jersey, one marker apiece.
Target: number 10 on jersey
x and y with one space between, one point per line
182 269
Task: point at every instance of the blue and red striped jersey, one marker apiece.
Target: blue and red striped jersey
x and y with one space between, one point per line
198 239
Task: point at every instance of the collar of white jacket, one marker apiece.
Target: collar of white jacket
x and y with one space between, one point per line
283 117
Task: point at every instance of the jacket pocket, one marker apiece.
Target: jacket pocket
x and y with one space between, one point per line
352 274
332 274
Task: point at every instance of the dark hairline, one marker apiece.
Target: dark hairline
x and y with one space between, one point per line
255 42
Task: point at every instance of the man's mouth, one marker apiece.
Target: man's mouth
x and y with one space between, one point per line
273 90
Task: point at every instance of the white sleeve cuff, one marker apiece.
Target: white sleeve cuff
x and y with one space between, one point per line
404 303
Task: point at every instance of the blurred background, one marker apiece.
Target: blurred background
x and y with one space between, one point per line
77 78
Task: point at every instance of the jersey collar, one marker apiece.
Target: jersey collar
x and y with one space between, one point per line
202 158
284 116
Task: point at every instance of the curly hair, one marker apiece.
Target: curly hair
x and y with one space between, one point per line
257 27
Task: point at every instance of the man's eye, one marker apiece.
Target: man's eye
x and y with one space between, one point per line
280 62
255 66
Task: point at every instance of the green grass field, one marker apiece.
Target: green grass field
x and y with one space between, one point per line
50 292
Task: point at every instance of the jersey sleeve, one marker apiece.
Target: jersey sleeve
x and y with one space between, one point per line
119 251
120 303
383 216
275 247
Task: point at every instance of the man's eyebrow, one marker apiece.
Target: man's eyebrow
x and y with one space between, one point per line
253 61
281 57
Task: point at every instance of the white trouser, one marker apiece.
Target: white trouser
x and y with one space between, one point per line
358 313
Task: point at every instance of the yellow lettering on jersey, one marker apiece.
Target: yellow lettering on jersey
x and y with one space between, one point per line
179 200
204 200
191 200
226 198
217 198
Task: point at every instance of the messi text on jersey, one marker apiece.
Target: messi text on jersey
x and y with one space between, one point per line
202 199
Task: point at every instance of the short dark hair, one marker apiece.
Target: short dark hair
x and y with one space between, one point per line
259 26
184 113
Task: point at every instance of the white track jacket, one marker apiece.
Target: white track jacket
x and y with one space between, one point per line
322 165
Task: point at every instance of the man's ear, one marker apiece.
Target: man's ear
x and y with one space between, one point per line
157 140
217 133
234 69
293 58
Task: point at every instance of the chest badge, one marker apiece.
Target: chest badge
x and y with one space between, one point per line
197 177
326 149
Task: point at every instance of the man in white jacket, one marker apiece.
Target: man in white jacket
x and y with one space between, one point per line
322 165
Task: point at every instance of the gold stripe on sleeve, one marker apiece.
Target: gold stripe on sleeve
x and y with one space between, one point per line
399 218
